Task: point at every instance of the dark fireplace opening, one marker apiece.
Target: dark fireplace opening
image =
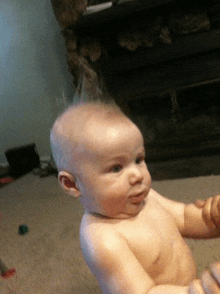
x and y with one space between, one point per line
181 125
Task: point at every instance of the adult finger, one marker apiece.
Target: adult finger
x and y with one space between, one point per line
215 270
200 203
206 213
215 211
196 287
209 283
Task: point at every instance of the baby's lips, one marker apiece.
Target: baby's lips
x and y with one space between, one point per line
138 198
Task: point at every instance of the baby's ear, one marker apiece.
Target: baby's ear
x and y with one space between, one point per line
68 183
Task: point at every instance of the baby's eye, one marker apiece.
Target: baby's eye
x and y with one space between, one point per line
116 168
139 159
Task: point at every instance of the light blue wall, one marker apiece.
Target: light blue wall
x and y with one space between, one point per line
34 76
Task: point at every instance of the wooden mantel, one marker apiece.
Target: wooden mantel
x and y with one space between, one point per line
99 13
183 46
175 74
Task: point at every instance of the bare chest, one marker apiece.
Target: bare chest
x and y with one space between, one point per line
157 244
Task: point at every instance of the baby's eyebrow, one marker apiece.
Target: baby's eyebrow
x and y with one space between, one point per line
116 158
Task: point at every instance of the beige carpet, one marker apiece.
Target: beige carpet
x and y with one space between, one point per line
48 259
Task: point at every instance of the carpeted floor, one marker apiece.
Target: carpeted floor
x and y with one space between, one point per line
48 258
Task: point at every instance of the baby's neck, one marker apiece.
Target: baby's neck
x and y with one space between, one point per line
108 218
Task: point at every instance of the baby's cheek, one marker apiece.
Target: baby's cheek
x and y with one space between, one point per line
148 178
111 203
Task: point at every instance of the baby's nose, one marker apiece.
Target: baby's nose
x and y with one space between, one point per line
136 176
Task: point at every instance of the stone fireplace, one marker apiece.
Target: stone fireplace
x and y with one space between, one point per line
160 60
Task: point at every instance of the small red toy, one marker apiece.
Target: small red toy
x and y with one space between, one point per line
5 272
6 180
9 273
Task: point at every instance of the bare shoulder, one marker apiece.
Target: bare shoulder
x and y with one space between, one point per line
95 233
174 208
95 227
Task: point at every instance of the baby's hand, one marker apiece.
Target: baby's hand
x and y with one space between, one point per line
209 283
210 211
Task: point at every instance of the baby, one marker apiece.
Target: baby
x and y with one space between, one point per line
131 236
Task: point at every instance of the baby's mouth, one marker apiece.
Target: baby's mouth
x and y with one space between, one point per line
138 197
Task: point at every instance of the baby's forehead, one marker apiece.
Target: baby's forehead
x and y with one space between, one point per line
79 117
106 133
87 124
94 129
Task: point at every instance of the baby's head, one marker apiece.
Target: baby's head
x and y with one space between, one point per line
99 153
69 129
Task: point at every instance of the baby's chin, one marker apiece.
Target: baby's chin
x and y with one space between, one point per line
130 212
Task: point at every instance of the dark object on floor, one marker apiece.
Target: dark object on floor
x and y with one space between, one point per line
22 159
4 171
23 229
5 272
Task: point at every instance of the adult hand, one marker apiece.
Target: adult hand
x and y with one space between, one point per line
209 282
210 211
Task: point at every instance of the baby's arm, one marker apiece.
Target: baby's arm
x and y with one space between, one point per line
195 220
